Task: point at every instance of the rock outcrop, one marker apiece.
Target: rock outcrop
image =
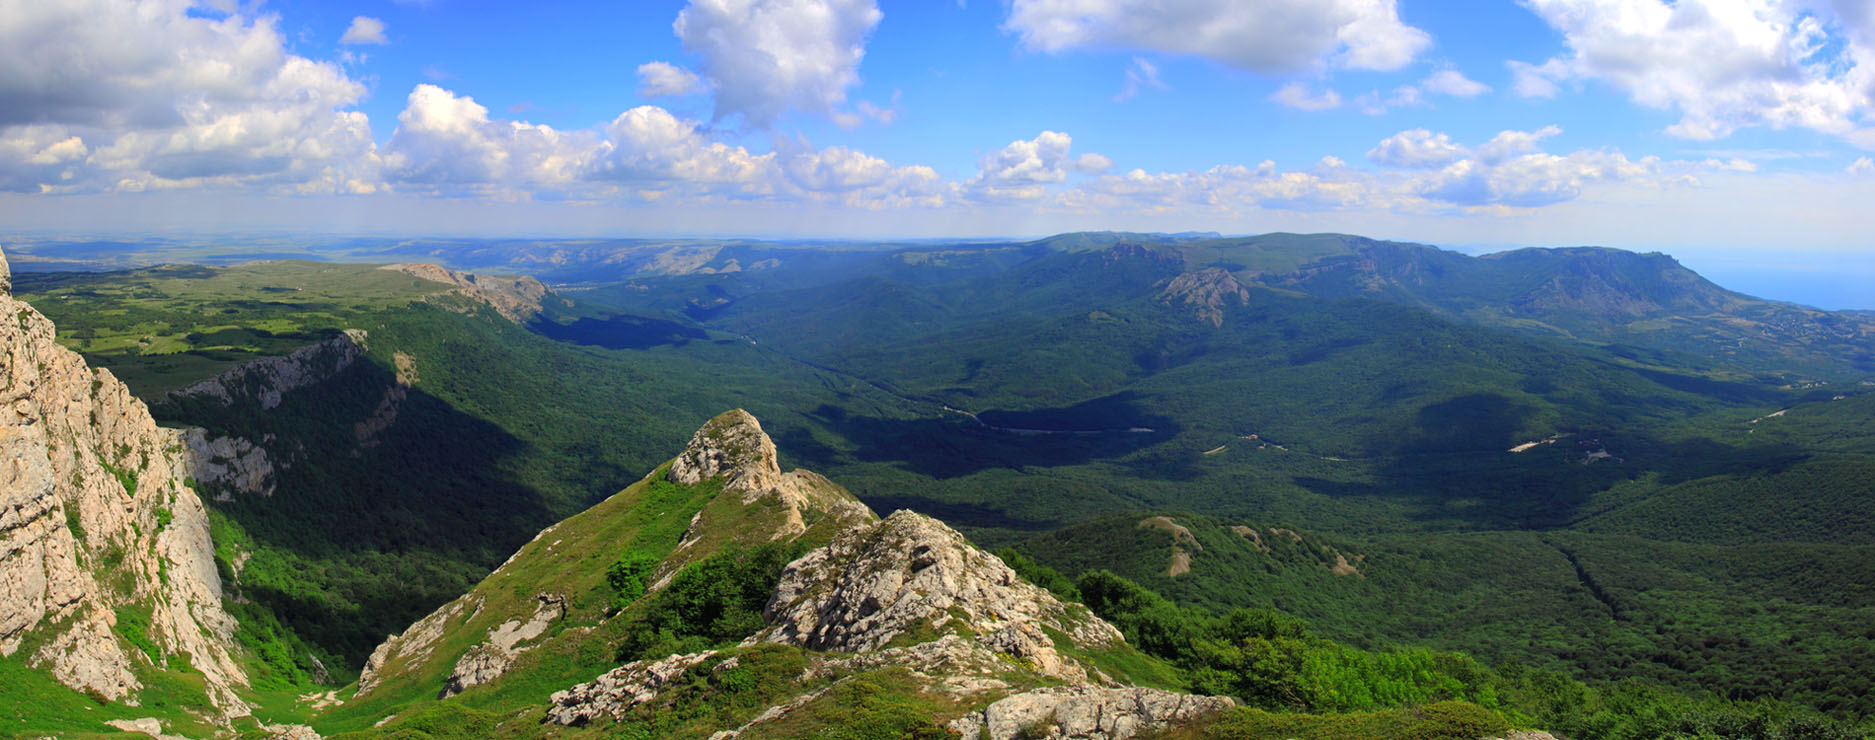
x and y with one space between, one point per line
905 596
487 661
227 465
911 575
1085 712
1208 291
732 449
266 380
620 689
96 521
910 593
517 299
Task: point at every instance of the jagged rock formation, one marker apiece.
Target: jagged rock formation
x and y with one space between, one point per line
95 518
763 503
1208 291
267 379
902 596
911 573
621 689
1076 712
517 299
905 592
909 592
734 448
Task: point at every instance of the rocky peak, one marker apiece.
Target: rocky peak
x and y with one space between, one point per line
731 446
6 275
1208 290
910 593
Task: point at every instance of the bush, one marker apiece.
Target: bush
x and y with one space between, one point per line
628 577
712 602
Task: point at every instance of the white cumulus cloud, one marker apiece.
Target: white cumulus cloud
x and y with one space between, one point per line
1509 143
364 30
1024 168
1721 65
1416 148
1269 36
160 98
1297 95
764 58
663 79
445 140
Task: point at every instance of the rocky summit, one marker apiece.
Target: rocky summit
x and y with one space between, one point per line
903 605
905 593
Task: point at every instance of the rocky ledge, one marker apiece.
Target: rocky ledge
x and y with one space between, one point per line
1085 712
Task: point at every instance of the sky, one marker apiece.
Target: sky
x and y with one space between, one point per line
1735 133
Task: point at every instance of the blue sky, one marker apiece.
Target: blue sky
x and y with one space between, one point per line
1734 131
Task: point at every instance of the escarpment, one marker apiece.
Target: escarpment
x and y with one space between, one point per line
101 540
266 380
517 299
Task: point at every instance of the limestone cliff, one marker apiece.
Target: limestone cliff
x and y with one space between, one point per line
97 525
266 381
518 299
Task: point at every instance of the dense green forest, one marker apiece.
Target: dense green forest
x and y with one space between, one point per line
1473 462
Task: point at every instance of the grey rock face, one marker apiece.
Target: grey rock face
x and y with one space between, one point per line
732 446
231 464
911 572
1086 713
517 299
84 471
620 689
1208 291
266 380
